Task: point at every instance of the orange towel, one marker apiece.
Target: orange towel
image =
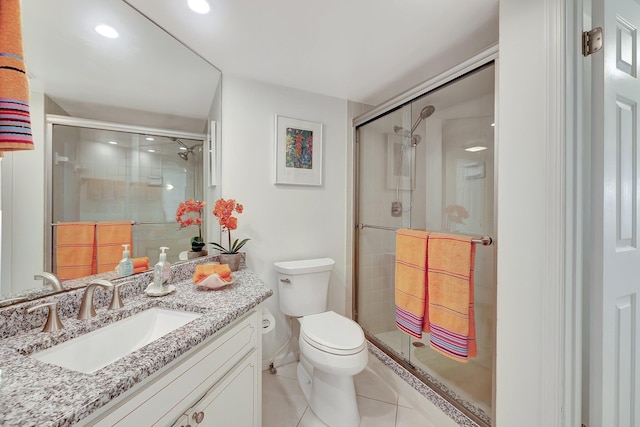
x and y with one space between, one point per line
15 132
110 236
205 270
451 313
74 249
141 262
410 281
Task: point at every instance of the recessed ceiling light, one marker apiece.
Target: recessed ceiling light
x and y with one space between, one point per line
183 148
169 187
151 150
150 138
475 148
493 124
199 6
113 142
106 31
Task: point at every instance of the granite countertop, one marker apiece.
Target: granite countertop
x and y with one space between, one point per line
37 393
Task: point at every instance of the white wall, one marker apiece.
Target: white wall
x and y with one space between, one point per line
529 191
285 222
23 235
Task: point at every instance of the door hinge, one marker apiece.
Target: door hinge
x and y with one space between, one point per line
591 41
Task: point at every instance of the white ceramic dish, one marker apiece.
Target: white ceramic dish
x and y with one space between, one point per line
153 292
215 282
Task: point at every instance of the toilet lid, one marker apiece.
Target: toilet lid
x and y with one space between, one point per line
331 332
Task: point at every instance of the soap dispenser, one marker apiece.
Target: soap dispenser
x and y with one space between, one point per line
162 271
125 267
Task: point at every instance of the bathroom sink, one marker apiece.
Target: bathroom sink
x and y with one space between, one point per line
97 349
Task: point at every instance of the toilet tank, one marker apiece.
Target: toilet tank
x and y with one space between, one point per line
303 285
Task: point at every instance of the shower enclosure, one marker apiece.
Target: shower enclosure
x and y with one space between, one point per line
429 164
108 172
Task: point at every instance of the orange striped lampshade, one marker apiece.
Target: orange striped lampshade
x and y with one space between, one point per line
15 121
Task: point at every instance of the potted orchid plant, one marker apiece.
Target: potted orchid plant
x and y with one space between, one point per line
223 211
184 220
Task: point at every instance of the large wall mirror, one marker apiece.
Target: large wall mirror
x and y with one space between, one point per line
143 83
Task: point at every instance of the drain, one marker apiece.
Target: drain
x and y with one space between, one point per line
417 344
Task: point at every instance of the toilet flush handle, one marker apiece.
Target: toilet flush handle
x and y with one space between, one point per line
285 280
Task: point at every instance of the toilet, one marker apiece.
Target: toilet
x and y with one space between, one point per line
332 347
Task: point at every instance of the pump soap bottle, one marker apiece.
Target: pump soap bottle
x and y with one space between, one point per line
162 271
125 266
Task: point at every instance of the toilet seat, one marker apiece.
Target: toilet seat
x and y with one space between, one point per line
332 333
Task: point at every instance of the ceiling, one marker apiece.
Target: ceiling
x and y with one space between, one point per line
362 50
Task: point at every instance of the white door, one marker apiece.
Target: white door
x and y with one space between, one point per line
614 271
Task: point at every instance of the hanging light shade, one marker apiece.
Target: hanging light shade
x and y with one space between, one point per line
15 121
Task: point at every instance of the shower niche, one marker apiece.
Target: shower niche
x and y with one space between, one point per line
428 164
109 172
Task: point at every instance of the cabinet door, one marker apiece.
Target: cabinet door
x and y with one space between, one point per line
183 421
232 402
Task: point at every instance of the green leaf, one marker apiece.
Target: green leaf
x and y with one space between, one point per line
237 246
219 247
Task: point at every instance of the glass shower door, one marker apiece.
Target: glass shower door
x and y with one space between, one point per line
429 166
110 175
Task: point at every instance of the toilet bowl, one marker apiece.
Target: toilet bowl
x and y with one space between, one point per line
332 347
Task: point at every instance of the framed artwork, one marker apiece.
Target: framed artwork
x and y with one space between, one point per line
400 164
298 152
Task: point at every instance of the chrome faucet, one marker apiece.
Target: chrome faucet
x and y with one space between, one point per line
53 321
51 278
87 310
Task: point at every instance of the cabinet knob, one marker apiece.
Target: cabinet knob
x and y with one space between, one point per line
198 417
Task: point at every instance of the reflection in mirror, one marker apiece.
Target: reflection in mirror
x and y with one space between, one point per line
146 83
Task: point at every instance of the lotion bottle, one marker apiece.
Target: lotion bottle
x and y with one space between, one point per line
162 271
125 266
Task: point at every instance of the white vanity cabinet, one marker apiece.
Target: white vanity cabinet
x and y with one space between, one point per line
217 383
228 403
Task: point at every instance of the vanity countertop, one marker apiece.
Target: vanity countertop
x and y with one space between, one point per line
37 393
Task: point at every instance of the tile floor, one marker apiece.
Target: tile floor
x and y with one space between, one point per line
284 405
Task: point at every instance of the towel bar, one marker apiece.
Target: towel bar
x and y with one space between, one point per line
55 224
483 240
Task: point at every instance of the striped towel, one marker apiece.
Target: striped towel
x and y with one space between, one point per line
15 122
110 236
74 249
410 281
451 313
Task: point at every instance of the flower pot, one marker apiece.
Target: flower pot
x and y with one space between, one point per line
232 259
197 246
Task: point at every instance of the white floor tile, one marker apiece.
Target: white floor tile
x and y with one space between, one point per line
402 401
309 419
289 370
374 413
283 403
370 385
408 417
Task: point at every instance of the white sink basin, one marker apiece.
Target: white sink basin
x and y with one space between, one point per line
97 349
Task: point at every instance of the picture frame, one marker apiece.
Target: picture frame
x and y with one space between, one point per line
298 152
400 167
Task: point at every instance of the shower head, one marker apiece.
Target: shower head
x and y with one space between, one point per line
424 113
184 155
427 111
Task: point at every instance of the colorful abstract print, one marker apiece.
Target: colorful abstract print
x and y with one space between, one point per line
299 148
